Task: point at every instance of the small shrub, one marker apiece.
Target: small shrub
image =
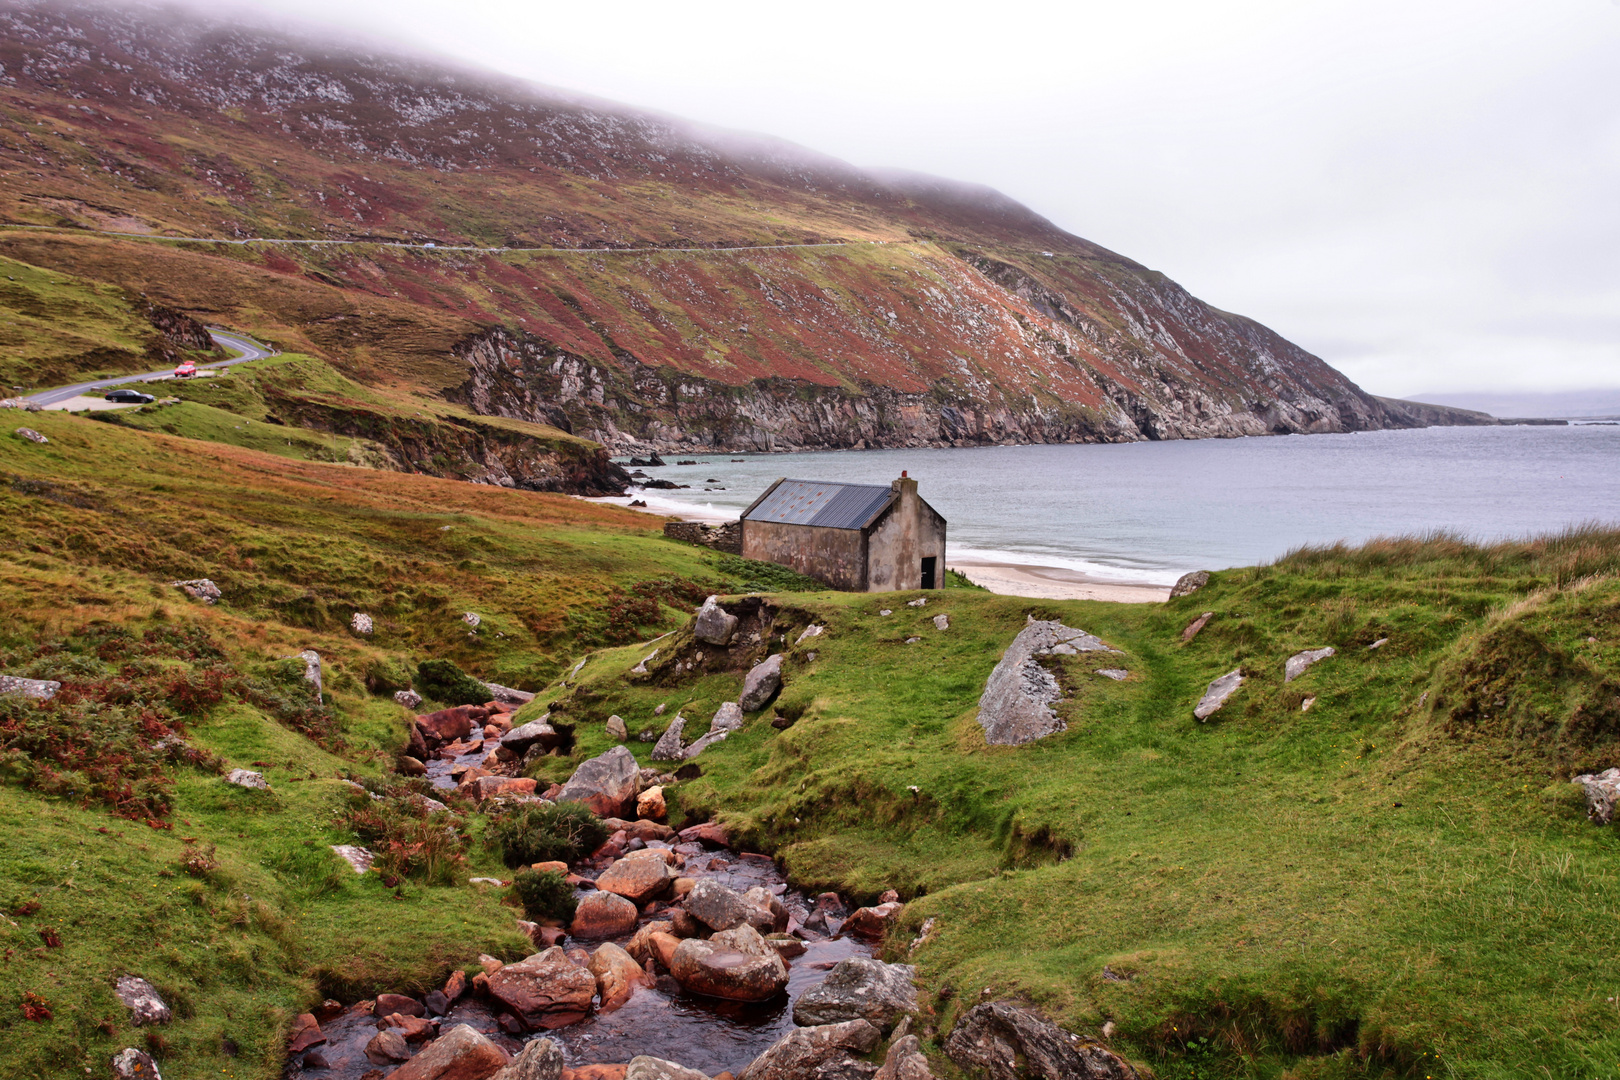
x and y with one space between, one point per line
545 895
407 840
543 832
386 676
197 861
443 681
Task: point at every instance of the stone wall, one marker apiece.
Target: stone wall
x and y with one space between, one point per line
726 536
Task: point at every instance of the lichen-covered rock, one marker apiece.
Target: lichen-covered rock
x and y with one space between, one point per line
715 906
859 988
608 784
247 778
714 624
132 1064
1187 584
761 683
802 1052
669 746
361 623
199 589
145 1004
618 729
617 974
1296 664
358 858
637 880
603 915
996 1037
873 922
1217 692
459 1054
1016 706
31 435
643 1067
541 1059
408 698
650 803
38 689
736 964
905 1061
546 990
1602 792
534 733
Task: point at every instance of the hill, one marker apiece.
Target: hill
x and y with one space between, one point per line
620 275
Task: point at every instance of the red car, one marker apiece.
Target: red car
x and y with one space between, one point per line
186 370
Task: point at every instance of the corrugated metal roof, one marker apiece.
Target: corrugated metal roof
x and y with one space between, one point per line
824 504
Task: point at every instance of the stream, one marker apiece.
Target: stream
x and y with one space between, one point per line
665 1021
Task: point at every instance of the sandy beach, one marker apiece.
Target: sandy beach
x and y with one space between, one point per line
1001 577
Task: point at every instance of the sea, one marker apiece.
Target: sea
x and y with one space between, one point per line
1148 512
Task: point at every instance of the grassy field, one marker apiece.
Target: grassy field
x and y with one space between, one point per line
1396 881
1399 881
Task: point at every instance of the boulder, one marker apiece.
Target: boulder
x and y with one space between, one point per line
312 670
737 965
643 1067
640 947
361 623
859 988
608 783
145 1004
670 747
617 974
541 1059
397 1003
650 803
387 1047
1217 692
714 624
710 834
547 990
715 906
682 923
596 1072
448 725
1196 625
415 1028
508 696
459 1054
727 718
358 858
1602 791
637 880
410 699
247 778
942 622
534 733
802 1052
993 1038
487 787
761 683
905 1061
1016 706
648 831
765 912
1187 584
199 589
618 729
132 1064
409 766
1296 664
603 915
663 948
306 1032
787 945
873 922
38 689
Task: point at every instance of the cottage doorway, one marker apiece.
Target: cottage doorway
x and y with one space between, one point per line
928 572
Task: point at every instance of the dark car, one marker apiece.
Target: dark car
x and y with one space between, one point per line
130 397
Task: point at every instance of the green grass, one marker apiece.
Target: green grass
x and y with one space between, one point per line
1398 881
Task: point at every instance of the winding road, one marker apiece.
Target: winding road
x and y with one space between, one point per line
245 348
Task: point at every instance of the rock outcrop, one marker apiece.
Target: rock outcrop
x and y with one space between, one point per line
459 1054
761 684
608 784
802 1052
859 988
1216 694
1296 664
547 990
736 964
1016 706
1000 1041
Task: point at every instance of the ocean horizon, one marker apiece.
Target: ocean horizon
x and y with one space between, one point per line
1148 512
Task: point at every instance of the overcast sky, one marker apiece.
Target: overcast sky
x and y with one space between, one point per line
1425 192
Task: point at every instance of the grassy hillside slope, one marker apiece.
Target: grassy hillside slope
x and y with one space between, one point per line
1397 881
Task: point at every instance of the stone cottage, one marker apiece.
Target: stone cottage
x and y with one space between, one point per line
856 537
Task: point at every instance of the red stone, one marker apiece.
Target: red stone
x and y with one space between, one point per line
596 1072
306 1032
397 1003
709 834
415 1028
455 985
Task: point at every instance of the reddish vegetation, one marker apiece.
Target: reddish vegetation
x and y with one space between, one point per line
990 323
